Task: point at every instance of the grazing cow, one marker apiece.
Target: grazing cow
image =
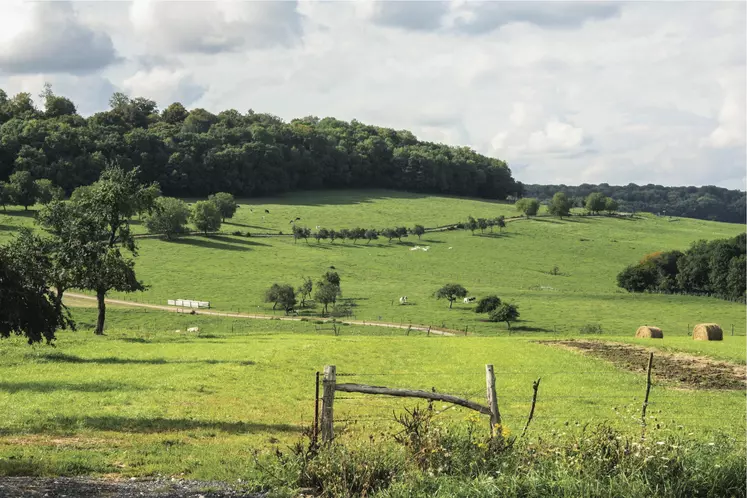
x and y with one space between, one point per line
267 211
193 329
298 219
469 299
403 300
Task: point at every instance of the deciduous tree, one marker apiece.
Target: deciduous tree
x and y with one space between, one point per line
506 312
225 203
206 217
169 217
451 292
560 205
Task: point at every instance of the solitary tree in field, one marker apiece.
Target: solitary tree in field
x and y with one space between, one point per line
225 203
169 217
283 295
472 224
304 290
418 230
560 205
327 293
506 312
370 235
206 217
451 292
487 304
610 205
595 202
528 206
22 189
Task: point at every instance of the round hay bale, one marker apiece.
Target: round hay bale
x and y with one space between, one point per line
646 332
708 332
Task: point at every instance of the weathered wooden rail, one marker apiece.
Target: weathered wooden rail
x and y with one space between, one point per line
330 386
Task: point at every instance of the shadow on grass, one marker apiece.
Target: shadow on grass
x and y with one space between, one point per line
111 360
48 387
235 240
146 425
20 214
210 243
527 328
494 235
316 198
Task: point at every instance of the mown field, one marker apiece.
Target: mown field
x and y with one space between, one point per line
145 399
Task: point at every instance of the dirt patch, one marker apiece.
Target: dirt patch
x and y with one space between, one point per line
693 372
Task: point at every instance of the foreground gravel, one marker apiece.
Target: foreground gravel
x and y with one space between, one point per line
81 487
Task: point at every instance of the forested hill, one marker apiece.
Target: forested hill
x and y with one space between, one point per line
706 203
196 153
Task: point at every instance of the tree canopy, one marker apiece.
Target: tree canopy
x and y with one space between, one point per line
193 153
451 292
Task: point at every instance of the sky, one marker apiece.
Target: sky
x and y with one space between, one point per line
582 92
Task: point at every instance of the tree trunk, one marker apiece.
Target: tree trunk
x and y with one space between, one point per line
58 297
451 301
100 295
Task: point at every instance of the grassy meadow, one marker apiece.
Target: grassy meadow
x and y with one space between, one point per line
145 399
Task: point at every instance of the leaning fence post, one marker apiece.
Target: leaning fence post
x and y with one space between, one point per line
316 412
495 415
648 390
328 400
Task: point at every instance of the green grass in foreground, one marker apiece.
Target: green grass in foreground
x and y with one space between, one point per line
145 400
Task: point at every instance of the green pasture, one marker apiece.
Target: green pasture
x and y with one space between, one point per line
145 399
232 272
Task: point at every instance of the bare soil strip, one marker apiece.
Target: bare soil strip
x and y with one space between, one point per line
692 372
175 309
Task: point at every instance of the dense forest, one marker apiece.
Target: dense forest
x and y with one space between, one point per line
705 203
715 268
196 153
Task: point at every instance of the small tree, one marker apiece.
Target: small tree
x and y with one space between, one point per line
22 189
560 205
343 234
332 277
281 294
206 217
500 222
487 304
506 312
610 205
5 195
327 293
389 233
225 203
46 191
357 233
370 235
418 230
304 290
333 235
321 234
169 217
451 292
596 202
528 206
298 233
401 232
472 224
482 223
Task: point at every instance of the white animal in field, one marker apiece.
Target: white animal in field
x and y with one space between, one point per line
193 329
178 331
318 227
403 300
469 299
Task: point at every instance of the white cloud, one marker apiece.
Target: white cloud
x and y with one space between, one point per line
638 91
50 38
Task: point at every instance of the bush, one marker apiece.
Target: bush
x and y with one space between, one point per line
506 312
591 328
237 233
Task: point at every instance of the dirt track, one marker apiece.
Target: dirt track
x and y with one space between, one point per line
176 309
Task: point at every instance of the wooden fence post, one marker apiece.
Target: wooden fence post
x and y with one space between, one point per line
316 412
645 401
328 400
495 415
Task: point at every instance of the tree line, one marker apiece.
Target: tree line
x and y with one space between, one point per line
706 202
192 153
715 268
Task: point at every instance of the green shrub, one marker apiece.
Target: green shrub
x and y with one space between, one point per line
591 328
